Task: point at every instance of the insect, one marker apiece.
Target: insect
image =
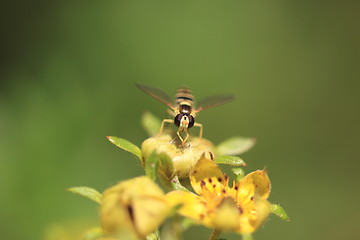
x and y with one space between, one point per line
183 107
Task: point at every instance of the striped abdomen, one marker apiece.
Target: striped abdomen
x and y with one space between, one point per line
184 99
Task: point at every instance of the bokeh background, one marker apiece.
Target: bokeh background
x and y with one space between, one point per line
67 76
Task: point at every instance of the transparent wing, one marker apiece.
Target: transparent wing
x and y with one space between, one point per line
213 101
157 94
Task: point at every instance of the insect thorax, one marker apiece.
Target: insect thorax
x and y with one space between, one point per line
185 108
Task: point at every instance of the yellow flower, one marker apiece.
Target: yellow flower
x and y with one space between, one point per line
133 208
241 208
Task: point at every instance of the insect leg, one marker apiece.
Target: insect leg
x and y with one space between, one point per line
201 129
162 124
186 138
178 133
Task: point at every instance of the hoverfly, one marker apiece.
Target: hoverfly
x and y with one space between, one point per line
183 108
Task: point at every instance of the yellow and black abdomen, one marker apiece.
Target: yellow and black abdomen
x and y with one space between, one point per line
184 100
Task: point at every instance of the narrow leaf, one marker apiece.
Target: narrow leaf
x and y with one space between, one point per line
235 146
239 172
151 165
279 211
93 234
126 145
230 160
150 123
87 192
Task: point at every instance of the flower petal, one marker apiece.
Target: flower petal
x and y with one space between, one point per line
255 183
227 216
149 213
115 216
252 192
191 204
206 176
135 205
249 222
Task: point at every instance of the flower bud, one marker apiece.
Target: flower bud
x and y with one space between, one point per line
134 207
183 158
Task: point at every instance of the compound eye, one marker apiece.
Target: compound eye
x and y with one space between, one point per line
191 121
177 119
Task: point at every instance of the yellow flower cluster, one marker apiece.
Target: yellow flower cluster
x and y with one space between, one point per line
136 208
240 208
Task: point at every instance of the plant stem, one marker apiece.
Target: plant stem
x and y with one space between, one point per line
247 236
215 234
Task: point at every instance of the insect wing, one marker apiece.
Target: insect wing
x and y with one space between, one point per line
157 94
213 101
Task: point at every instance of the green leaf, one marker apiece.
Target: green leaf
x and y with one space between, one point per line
151 123
171 229
187 223
152 165
239 172
153 236
230 160
176 185
87 192
279 211
166 166
93 234
235 146
126 145
215 234
166 169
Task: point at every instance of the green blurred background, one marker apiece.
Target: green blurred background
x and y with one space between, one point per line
67 80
